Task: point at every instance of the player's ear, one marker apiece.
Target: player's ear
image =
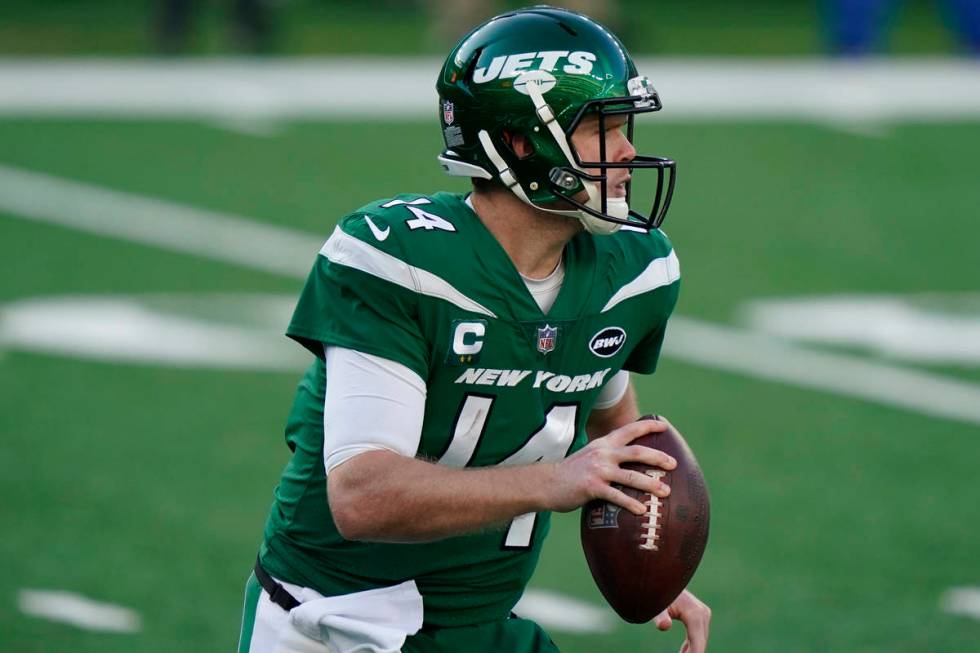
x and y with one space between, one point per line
519 143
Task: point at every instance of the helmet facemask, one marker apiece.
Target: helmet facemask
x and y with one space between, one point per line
599 213
611 213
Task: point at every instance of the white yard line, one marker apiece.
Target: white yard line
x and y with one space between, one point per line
822 90
963 601
557 611
937 328
156 222
77 610
268 248
762 356
135 329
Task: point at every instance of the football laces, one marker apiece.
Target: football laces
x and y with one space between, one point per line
650 537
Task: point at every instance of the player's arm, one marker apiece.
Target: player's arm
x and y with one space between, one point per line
622 410
378 491
385 496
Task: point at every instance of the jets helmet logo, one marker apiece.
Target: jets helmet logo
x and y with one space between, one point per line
510 66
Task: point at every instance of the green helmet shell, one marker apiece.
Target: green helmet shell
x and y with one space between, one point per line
575 60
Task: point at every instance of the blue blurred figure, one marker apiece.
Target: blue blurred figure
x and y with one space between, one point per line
855 26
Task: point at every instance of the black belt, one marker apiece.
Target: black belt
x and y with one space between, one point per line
277 593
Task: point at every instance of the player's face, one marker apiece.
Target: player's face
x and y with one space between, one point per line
586 138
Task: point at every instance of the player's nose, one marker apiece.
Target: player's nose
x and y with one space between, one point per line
624 150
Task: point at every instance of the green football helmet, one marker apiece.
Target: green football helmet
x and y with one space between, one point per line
540 72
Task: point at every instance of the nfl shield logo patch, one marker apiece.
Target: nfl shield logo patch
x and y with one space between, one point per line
448 114
604 515
546 338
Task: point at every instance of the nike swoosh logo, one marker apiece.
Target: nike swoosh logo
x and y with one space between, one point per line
378 233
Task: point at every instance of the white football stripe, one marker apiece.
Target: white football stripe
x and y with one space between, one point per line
556 611
77 610
964 601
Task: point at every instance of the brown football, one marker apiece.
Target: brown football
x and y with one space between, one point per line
642 563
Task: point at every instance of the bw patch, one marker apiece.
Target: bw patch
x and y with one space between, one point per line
607 342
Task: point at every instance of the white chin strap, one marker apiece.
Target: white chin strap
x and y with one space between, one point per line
615 206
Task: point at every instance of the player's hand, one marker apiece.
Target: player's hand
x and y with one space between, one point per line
696 617
590 472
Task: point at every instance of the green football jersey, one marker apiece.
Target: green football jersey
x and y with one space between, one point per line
421 281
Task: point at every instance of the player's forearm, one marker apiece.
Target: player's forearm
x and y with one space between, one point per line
601 422
382 496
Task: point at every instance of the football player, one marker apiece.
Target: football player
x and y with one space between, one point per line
472 359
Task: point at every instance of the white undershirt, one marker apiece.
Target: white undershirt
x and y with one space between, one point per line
374 403
371 403
545 291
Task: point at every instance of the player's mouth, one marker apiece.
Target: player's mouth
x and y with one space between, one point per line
618 189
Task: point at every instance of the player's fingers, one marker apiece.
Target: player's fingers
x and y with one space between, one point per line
697 629
646 455
663 621
697 639
626 434
621 499
640 481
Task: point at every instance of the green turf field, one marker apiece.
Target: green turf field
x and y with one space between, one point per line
397 27
838 523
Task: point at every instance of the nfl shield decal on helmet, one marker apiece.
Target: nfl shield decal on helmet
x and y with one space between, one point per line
547 335
448 112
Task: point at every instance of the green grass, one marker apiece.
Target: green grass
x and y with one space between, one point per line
305 27
837 523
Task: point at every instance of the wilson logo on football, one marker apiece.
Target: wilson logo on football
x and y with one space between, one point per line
607 342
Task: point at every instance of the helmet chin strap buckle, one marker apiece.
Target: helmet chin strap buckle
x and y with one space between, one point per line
614 206
563 179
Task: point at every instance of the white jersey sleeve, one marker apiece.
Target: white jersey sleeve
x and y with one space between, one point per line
613 391
370 403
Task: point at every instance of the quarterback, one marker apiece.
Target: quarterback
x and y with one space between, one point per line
471 361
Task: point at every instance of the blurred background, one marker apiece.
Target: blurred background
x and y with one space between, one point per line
169 169
402 27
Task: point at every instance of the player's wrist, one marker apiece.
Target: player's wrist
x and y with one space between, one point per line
545 487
